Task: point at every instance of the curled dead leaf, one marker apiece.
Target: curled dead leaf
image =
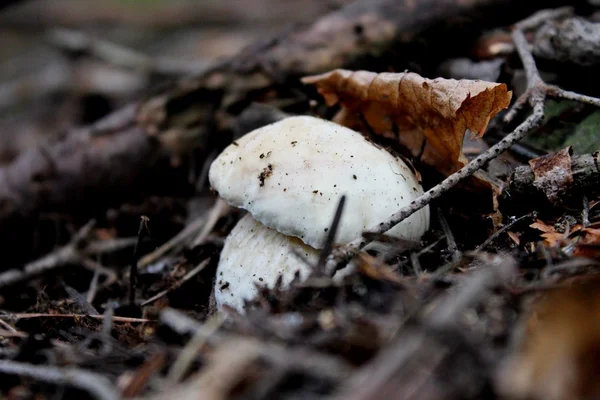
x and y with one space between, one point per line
425 115
586 240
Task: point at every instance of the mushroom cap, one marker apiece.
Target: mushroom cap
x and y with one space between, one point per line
254 254
290 175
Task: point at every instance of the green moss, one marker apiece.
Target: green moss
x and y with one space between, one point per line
586 135
558 131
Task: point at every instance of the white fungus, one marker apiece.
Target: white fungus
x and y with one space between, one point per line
290 176
254 254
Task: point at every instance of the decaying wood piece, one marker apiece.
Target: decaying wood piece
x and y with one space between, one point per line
87 171
553 175
573 40
585 171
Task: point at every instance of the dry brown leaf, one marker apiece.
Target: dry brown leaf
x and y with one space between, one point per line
586 239
376 269
558 357
514 237
542 226
552 238
416 111
589 245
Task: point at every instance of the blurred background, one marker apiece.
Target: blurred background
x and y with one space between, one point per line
65 63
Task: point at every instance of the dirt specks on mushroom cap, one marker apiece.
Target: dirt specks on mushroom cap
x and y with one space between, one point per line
308 154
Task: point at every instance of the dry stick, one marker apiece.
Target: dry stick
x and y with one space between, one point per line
585 213
328 245
189 230
59 258
418 254
12 334
450 241
94 266
123 57
99 317
91 293
78 298
542 16
134 262
109 245
506 227
96 385
218 209
416 264
7 326
186 278
190 350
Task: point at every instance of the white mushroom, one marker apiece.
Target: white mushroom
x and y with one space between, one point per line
290 175
254 254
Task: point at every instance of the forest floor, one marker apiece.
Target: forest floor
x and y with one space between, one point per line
111 114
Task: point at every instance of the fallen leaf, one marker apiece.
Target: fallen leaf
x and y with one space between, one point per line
376 269
553 174
428 116
589 243
514 237
551 236
542 226
558 355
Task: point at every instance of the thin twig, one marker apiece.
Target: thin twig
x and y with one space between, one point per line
189 352
10 334
96 385
328 245
218 209
68 254
189 230
450 241
7 326
506 227
419 253
186 278
81 301
537 19
134 262
537 89
109 245
123 57
416 264
91 294
500 269
99 317
585 212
